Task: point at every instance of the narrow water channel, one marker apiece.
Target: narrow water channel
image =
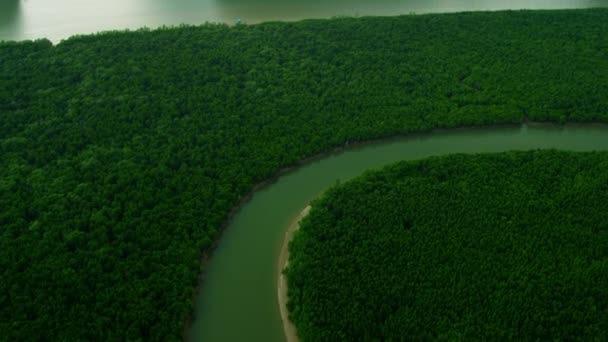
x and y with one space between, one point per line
238 301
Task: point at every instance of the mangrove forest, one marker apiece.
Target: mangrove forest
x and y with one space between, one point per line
499 247
123 153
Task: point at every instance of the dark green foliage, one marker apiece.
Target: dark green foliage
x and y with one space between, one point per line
510 246
122 153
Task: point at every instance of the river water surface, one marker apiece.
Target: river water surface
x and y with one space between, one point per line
238 301
59 19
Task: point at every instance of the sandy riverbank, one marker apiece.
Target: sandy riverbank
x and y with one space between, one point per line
289 328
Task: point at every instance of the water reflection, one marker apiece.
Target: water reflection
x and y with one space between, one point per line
261 10
598 3
59 19
10 19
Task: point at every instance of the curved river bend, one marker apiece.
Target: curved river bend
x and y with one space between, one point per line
238 301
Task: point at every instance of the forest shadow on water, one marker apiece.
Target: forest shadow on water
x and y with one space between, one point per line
10 18
263 10
59 19
269 10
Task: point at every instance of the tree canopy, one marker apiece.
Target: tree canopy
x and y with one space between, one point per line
509 246
122 153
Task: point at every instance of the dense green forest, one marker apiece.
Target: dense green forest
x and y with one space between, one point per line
122 153
510 246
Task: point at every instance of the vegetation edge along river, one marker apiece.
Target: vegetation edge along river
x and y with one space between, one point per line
247 254
124 152
288 326
502 245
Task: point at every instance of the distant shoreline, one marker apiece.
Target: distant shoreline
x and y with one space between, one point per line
288 326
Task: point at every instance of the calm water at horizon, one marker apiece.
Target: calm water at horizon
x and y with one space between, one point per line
60 19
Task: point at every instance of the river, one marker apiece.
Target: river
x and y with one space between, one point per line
60 19
238 301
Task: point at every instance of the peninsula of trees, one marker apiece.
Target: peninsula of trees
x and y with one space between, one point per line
122 153
508 246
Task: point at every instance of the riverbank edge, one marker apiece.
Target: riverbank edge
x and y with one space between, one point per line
344 147
288 326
